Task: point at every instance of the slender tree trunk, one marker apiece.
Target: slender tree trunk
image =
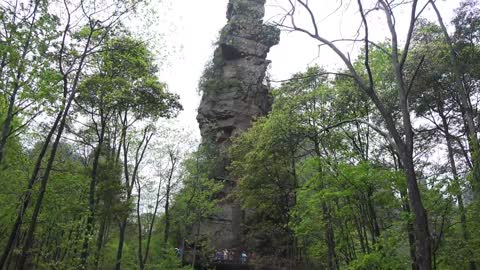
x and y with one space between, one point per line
406 209
194 260
152 223
5 132
366 220
41 193
456 182
123 223
28 194
410 232
44 180
100 241
139 154
167 216
6 125
139 224
182 254
173 161
92 193
123 227
67 249
405 145
329 237
422 233
420 223
373 213
360 234
365 234
465 103
12 240
3 63
329 232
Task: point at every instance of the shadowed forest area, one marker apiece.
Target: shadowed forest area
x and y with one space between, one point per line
371 165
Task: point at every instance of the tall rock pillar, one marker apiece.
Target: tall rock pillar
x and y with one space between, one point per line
233 96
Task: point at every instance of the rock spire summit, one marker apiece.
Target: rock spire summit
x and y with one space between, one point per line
233 96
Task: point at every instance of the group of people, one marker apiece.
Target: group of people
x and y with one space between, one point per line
231 256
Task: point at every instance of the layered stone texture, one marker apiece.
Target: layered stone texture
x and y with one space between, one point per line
233 96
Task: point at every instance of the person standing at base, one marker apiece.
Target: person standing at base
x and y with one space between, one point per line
225 254
243 257
219 256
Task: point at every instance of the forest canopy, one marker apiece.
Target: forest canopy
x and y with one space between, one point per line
373 164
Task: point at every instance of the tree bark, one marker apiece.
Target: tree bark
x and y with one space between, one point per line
329 238
139 154
100 243
410 231
329 232
139 224
465 103
12 239
194 259
403 145
123 226
92 193
152 223
420 223
44 180
456 180
173 161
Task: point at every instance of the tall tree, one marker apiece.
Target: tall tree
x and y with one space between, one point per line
464 98
74 48
125 81
400 135
27 31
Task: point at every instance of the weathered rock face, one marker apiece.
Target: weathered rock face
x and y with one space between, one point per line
233 96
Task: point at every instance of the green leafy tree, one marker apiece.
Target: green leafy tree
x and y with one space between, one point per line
124 84
196 201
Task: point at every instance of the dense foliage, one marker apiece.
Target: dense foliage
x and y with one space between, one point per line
328 178
374 166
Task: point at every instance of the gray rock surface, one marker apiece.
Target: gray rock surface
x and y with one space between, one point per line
233 96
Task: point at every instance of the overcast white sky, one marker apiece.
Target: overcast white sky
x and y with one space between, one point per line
189 29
